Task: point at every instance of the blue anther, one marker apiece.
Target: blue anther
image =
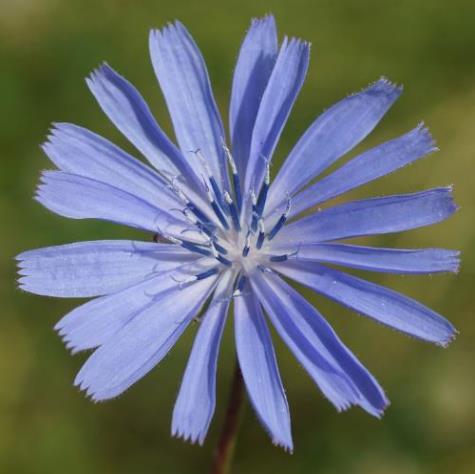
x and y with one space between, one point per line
195 248
216 190
205 229
241 282
261 200
233 211
224 260
219 248
237 191
262 234
198 213
279 258
207 273
236 180
280 223
219 213
247 245
258 208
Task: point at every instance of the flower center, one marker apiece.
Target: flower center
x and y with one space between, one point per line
231 229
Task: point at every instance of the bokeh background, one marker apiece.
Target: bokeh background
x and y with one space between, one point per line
47 47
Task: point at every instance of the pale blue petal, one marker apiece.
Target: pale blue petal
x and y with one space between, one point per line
194 407
368 166
143 342
282 89
182 74
96 322
253 69
259 369
126 108
88 269
371 216
79 151
382 259
285 311
294 316
382 304
334 133
77 197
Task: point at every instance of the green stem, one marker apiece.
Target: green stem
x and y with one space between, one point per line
223 455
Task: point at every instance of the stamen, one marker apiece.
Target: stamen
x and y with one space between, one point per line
233 211
220 258
247 245
280 223
236 180
207 273
216 208
209 174
240 285
224 260
199 276
262 234
253 211
219 248
199 214
261 200
283 258
189 246
192 207
192 219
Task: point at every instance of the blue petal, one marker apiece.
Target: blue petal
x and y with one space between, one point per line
182 74
96 322
382 304
368 166
382 259
334 133
142 342
309 351
282 89
337 372
88 269
77 150
128 111
194 407
259 369
253 69
77 197
371 216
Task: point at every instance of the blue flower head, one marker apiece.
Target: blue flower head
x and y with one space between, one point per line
226 235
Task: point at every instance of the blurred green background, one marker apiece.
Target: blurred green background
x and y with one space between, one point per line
47 47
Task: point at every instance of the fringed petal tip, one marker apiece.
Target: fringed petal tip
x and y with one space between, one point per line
297 43
73 347
376 410
189 437
387 83
425 138
167 29
286 445
90 394
379 410
57 133
383 86
451 335
453 206
267 18
63 332
453 261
